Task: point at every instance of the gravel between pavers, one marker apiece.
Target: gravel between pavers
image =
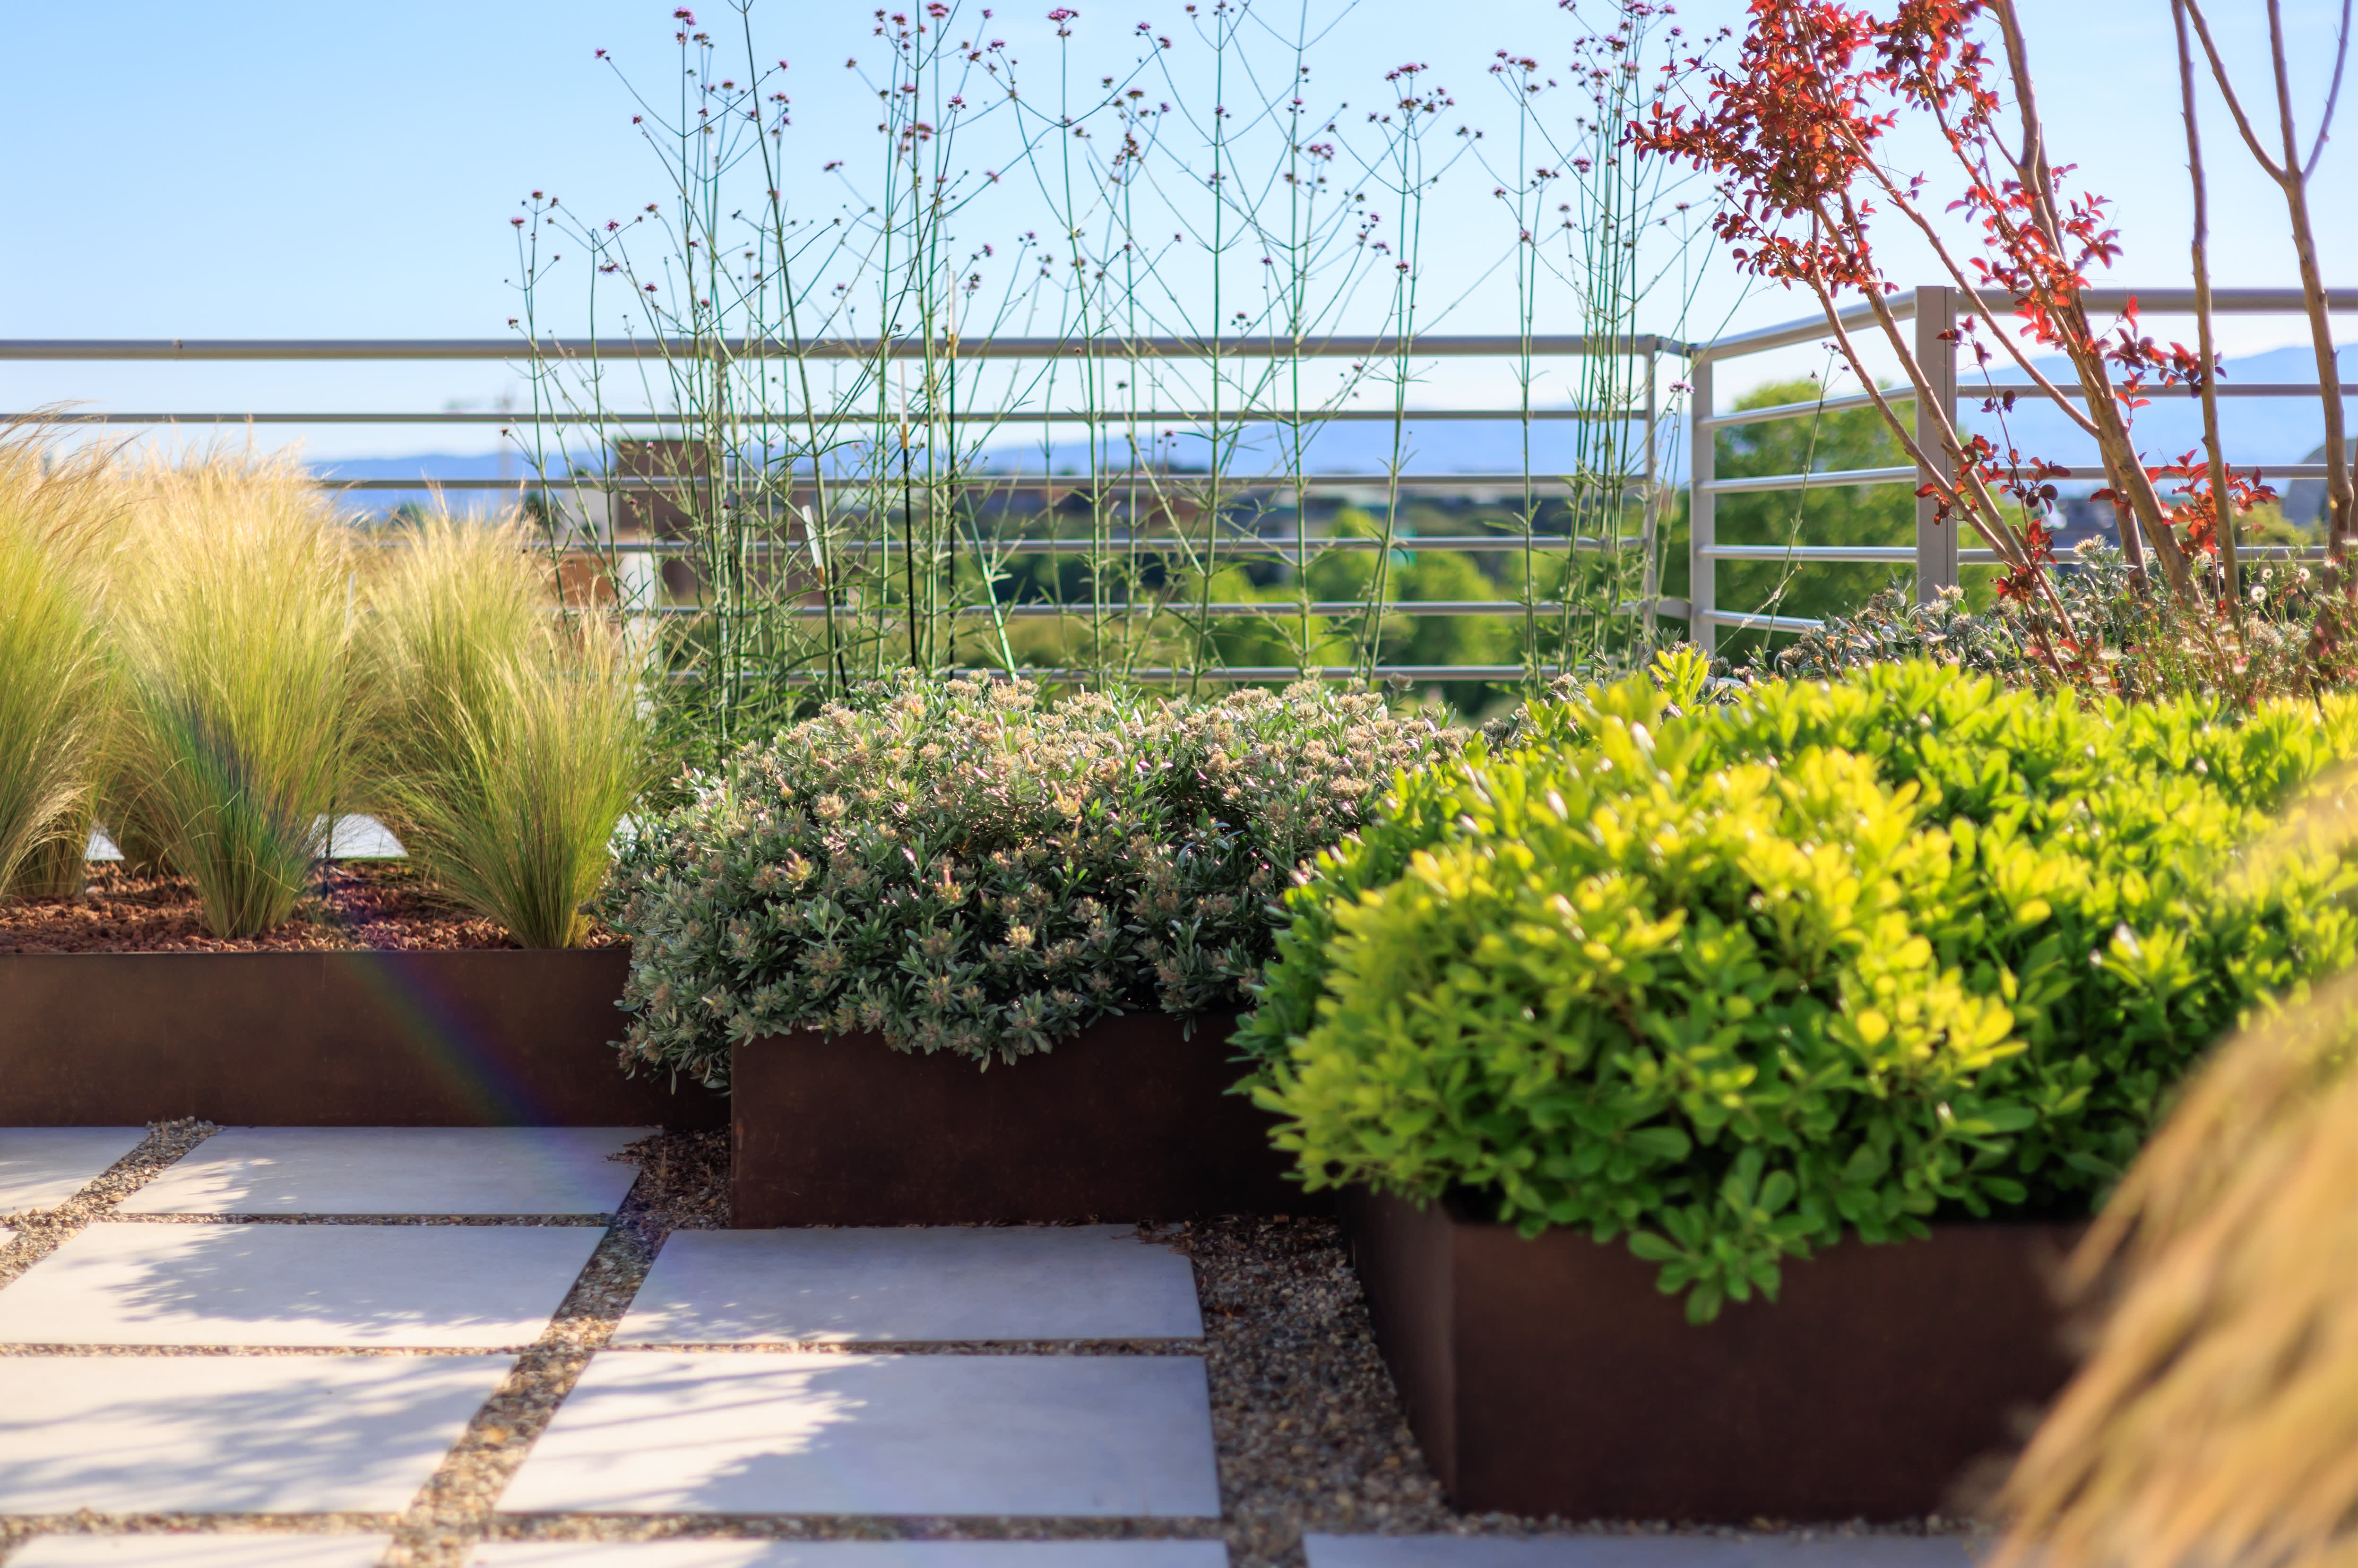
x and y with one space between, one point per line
40 1232
1309 1431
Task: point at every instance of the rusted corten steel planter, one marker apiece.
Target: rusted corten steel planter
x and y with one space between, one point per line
486 1038
1551 1376
1127 1121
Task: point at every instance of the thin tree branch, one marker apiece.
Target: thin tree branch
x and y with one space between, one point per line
2283 67
2332 93
2294 182
1914 214
1984 511
2123 467
2227 90
2223 511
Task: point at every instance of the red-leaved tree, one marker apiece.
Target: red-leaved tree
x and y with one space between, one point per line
1794 133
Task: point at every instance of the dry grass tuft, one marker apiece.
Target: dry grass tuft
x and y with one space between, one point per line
235 611
56 506
2216 1422
509 740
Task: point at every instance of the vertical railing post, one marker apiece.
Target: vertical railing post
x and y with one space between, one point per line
1702 451
1936 354
1649 582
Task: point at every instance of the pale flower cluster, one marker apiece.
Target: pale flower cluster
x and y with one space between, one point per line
960 865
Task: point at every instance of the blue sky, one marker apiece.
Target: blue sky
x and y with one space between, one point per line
272 169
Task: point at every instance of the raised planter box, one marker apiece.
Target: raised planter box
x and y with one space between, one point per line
491 1038
1127 1121
1551 1377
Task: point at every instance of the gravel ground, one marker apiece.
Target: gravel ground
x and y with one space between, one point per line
42 1231
1309 1431
360 904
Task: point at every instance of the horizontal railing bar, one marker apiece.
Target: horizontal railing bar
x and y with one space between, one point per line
1763 339
1343 672
1808 480
1804 410
1233 674
1113 479
2074 391
1778 482
2245 550
1506 345
1965 394
2149 302
2224 301
987 417
2254 471
1283 549
1177 610
1809 552
1763 622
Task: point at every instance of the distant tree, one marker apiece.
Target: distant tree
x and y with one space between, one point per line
1828 514
1344 576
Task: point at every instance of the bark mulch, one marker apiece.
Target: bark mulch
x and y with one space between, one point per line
376 904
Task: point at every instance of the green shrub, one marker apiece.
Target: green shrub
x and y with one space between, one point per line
508 741
1826 959
961 866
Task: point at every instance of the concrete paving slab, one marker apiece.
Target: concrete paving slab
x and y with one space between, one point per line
137 1434
41 1167
241 1548
849 1555
1093 1282
1094 1437
341 1286
1635 1551
396 1170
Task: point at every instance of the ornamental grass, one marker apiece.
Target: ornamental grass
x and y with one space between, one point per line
55 677
2216 1421
234 611
508 739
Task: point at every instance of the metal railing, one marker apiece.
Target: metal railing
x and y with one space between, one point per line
1493 488
1936 555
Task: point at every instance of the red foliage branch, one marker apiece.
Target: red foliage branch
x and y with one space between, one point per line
1795 130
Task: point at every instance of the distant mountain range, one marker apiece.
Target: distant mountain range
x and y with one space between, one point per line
2261 430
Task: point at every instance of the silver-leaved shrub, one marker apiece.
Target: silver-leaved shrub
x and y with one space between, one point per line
1735 980
958 865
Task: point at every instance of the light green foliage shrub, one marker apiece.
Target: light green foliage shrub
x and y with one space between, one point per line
1825 960
508 741
962 866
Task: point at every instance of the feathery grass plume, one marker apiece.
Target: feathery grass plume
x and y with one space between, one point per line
2216 1423
59 866
55 676
511 739
234 611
